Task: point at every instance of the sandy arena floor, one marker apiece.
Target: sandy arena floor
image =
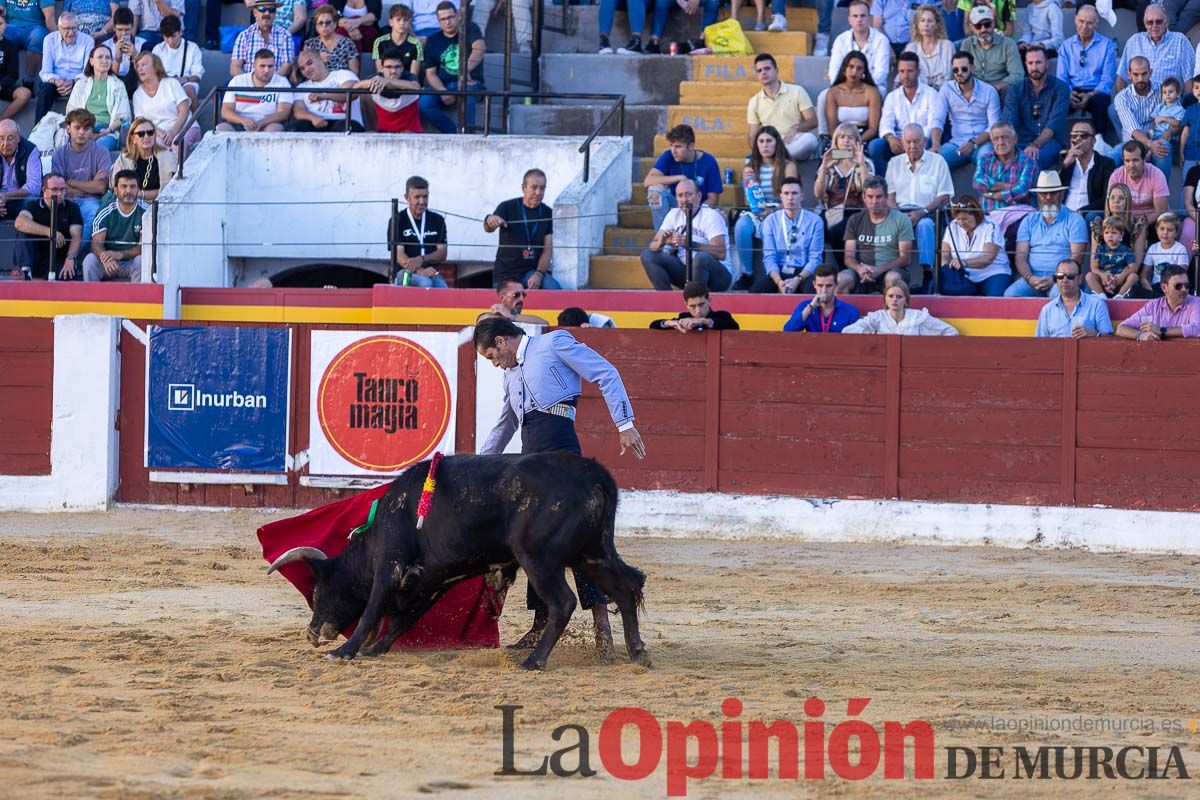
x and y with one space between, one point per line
150 656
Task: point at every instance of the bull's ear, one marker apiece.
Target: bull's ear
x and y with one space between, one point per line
310 555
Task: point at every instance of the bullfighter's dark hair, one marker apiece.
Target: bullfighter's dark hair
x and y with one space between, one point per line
486 331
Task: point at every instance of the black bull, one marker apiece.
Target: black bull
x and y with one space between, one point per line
543 512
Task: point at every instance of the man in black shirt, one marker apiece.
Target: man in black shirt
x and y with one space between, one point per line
700 315
33 231
11 88
526 236
421 243
441 68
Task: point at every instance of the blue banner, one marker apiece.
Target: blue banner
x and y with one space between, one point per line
217 398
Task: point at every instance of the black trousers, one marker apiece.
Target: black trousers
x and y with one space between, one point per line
547 433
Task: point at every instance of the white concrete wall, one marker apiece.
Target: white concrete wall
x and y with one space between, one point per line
268 180
583 210
83 432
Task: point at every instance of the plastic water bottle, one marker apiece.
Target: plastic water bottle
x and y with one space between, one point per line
754 195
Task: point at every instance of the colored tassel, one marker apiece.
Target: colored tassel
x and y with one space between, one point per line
427 490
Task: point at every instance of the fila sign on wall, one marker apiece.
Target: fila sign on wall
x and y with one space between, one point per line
380 402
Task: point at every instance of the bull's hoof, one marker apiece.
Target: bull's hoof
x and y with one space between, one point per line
343 653
375 650
532 663
641 657
531 638
606 653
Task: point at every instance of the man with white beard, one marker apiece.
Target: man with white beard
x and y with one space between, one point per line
1051 235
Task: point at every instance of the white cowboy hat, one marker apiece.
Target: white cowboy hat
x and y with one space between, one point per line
1048 181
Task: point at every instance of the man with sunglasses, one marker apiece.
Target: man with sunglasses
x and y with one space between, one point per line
997 57
971 107
1087 63
1169 53
510 304
1037 108
1085 172
1074 313
263 34
1046 239
1175 315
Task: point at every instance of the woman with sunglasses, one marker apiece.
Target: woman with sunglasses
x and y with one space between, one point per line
769 164
897 318
155 165
973 257
336 50
162 100
103 94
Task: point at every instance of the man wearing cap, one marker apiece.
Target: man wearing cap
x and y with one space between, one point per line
997 58
1047 238
542 382
263 34
1037 108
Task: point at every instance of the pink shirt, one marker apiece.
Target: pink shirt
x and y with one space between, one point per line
1153 184
1159 314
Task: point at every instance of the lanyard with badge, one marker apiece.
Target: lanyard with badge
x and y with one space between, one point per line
419 232
530 230
793 235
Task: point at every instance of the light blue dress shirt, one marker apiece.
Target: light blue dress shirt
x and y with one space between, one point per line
1090 312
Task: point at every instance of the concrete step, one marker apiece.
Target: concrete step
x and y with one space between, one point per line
792 43
641 122
626 241
617 272
633 215
706 119
734 68
644 80
717 93
799 19
638 194
721 145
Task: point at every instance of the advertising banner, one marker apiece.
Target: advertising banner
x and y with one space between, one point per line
380 402
217 398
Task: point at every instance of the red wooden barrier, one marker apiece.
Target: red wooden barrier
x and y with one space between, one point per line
1054 422
26 395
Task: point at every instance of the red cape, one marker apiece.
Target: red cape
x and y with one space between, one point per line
465 617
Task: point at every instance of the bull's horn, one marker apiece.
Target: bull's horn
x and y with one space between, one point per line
295 554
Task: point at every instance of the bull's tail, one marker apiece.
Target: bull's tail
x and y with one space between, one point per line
633 577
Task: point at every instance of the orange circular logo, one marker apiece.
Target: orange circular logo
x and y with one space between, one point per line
384 403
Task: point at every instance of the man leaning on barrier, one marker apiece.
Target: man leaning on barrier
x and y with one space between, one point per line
1175 315
33 231
256 111
324 112
389 109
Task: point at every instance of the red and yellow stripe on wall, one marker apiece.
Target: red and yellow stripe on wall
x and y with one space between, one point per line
43 299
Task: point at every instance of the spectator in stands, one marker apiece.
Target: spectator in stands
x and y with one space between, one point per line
785 107
637 25
20 170
1114 268
116 248
1135 106
163 101
441 69
526 225
576 317
1119 203
153 164
359 21
824 27
853 98
336 50
1003 176
421 243
1073 313
897 318
511 303
99 89
839 182
125 46
997 59
64 55
33 231
1087 63
291 15
1046 238
879 243
12 91
29 22
401 40
94 17
1163 253
665 259
256 111
1169 53
825 313
954 18
769 165
793 244
861 38
931 46
893 18
182 59
84 164
1043 24
1006 13
1191 185
1036 107
973 258
1166 121
264 33
1085 172
1147 185
699 316
911 103
679 162
1175 315
149 14
324 111
971 107
921 185
389 109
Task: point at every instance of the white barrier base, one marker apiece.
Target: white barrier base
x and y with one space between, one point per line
733 517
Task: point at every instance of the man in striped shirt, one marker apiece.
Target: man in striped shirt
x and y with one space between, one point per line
264 33
1135 106
1169 53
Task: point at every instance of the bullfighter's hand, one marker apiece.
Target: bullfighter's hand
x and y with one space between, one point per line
631 439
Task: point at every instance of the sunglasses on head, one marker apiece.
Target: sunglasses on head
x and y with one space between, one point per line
1062 276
